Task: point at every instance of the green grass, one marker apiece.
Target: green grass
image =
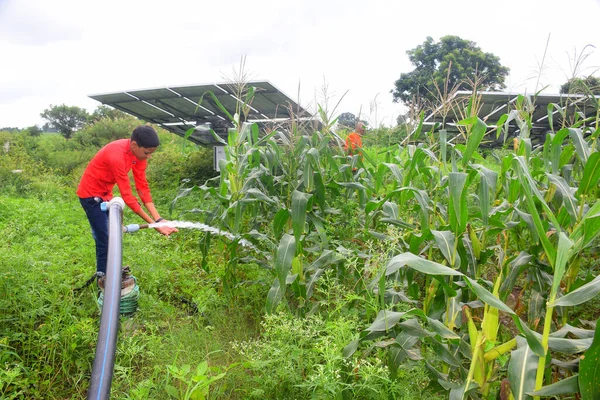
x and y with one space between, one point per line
48 332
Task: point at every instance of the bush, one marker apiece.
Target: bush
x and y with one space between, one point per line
170 166
106 130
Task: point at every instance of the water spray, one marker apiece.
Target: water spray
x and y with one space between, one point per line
184 224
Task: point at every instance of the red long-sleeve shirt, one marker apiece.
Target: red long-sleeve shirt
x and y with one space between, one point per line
353 142
110 166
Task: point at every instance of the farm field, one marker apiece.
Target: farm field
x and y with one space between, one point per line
427 268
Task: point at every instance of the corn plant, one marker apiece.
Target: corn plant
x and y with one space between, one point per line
549 200
489 254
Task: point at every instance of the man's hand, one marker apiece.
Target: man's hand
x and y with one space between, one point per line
166 230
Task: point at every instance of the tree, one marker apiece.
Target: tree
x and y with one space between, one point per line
107 112
588 85
457 60
347 120
66 119
35 130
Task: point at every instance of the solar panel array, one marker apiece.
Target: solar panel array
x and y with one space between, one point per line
178 108
494 104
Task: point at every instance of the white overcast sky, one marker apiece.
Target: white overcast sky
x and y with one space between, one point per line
61 51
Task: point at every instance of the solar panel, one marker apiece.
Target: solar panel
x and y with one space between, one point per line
178 108
494 104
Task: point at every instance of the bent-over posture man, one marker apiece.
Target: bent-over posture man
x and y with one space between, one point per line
110 166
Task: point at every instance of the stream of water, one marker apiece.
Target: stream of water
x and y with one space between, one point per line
202 227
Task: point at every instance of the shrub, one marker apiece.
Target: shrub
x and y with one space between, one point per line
106 130
169 166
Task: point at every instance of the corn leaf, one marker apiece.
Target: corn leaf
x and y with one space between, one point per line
588 228
385 320
569 200
476 134
591 175
522 369
299 206
580 295
530 189
457 208
445 241
589 369
283 259
419 264
274 296
568 385
581 146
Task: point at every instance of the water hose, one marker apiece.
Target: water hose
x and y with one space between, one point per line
104 361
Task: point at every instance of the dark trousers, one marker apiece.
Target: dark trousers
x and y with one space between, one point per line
99 222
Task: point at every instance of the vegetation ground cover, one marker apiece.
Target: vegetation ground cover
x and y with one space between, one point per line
470 273
184 320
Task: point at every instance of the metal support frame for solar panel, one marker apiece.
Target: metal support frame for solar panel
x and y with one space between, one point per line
178 108
495 104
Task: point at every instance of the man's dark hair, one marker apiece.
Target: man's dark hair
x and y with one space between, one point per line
145 136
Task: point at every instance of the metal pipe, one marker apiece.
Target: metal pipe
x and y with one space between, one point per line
102 370
134 227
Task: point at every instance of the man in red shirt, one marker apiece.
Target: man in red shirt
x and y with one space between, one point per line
110 166
354 141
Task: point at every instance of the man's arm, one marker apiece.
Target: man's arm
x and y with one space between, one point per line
143 189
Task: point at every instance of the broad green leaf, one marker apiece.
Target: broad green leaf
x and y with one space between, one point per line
591 175
522 369
413 328
257 194
391 209
557 148
441 351
284 257
457 208
326 258
577 332
569 200
443 144
299 206
320 191
580 295
476 134
350 348
274 296
445 242
419 264
563 254
488 182
441 329
487 297
588 228
568 385
530 189
528 219
352 185
589 369
281 218
218 138
311 284
385 320
583 150
515 268
396 171
568 346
